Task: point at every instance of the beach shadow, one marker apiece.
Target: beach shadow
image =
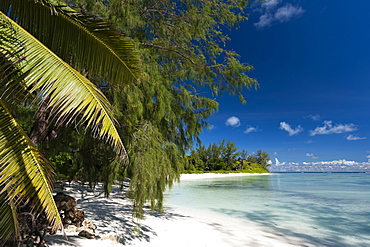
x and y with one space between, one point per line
61 240
112 216
166 214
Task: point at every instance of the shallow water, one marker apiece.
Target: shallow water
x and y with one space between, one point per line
324 209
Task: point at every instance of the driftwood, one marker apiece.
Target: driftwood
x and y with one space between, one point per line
67 209
33 228
72 218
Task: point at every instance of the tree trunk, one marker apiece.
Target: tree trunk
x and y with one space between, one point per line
41 125
40 131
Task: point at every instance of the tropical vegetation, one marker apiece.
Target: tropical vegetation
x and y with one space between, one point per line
224 157
43 45
186 65
69 75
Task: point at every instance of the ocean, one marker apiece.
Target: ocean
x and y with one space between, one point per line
322 209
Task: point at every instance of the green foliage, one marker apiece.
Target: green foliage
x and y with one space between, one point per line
24 175
45 55
254 169
25 114
261 158
182 47
43 44
154 165
71 35
224 158
215 157
62 163
77 155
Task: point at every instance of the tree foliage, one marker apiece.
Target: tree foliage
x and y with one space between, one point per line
182 46
160 115
36 40
261 158
225 156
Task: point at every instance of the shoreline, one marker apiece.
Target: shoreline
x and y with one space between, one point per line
194 176
117 228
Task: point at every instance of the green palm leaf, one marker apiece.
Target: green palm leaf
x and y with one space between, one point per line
85 42
69 92
12 87
8 218
24 173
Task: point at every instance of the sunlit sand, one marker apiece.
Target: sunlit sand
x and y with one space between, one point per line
116 227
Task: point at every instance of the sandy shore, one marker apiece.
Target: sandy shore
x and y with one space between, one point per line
218 175
116 227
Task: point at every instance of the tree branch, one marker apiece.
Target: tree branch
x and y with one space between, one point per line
181 55
147 8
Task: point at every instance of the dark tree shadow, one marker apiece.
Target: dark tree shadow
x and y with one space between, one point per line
113 215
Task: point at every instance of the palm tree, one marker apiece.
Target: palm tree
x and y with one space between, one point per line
43 46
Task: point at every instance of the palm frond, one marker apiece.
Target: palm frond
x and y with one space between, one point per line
69 92
8 218
87 43
24 172
12 87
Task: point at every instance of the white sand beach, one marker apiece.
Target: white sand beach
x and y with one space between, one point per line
116 227
218 175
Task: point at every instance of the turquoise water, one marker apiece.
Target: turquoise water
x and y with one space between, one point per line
324 209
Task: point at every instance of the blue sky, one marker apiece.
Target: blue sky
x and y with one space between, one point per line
312 60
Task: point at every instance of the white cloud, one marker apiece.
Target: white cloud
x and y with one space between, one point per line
276 153
233 121
309 141
368 156
265 21
312 156
289 129
211 127
261 6
270 4
328 128
355 138
271 12
251 129
314 117
277 162
288 12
